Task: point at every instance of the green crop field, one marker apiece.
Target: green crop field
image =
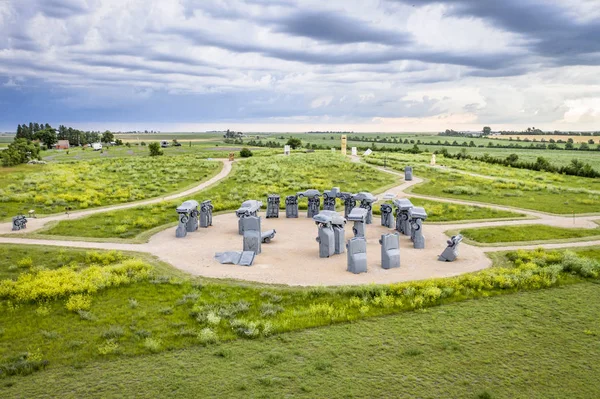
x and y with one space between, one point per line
534 232
85 184
64 311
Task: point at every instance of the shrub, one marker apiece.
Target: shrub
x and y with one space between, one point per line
153 345
42 310
24 364
155 150
52 284
25 262
108 347
113 332
78 302
245 153
207 336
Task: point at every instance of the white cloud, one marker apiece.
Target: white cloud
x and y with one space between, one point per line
425 73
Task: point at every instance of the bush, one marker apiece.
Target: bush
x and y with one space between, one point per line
52 284
20 151
207 336
152 344
245 153
78 302
155 149
24 364
294 143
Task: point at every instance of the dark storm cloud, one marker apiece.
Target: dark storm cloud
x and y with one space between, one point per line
337 28
552 31
142 66
342 57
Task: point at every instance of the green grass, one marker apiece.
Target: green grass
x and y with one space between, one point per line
556 157
254 178
541 344
169 310
534 232
197 149
532 190
446 212
86 184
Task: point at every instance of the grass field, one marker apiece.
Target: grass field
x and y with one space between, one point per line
197 149
72 306
251 179
522 189
398 161
86 184
556 157
521 345
438 211
533 232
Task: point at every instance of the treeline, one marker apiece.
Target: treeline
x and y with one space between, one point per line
78 137
33 137
48 136
575 168
533 145
532 131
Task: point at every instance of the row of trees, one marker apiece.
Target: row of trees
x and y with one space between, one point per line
535 145
575 168
26 145
529 131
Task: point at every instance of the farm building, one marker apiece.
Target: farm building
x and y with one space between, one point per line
62 145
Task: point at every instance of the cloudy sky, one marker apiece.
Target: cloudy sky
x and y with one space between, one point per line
363 65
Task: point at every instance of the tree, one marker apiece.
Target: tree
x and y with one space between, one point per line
154 148
108 137
512 158
20 151
487 130
46 137
569 145
294 143
245 153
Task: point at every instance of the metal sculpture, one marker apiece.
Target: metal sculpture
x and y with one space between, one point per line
273 206
314 201
248 208
417 217
390 250
206 211
188 218
451 252
387 216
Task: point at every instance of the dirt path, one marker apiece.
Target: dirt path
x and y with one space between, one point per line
292 257
34 224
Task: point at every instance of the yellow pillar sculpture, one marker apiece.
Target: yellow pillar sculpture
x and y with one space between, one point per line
343 144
